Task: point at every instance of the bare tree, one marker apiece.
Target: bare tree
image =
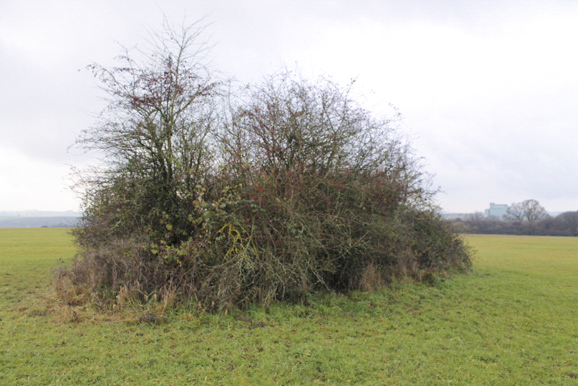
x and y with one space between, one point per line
155 133
528 210
569 220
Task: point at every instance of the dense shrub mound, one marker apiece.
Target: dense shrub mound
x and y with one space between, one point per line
292 188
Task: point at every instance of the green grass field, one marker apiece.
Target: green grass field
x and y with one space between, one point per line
513 321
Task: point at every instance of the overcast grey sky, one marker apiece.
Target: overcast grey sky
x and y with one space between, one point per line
488 89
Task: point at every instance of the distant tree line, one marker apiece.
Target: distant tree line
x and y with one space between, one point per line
524 218
38 222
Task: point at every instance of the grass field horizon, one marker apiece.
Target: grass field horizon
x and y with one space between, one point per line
512 321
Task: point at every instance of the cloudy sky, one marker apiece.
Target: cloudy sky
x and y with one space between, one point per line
488 89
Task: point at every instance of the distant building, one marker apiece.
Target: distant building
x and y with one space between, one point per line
496 211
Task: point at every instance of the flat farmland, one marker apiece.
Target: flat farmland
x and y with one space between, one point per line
512 321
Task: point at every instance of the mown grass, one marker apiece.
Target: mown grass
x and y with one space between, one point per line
513 321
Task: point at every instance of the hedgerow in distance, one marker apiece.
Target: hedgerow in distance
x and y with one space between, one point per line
291 187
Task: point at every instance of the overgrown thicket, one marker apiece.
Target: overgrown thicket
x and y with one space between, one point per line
264 194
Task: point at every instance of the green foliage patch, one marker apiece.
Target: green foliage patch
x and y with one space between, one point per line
512 321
